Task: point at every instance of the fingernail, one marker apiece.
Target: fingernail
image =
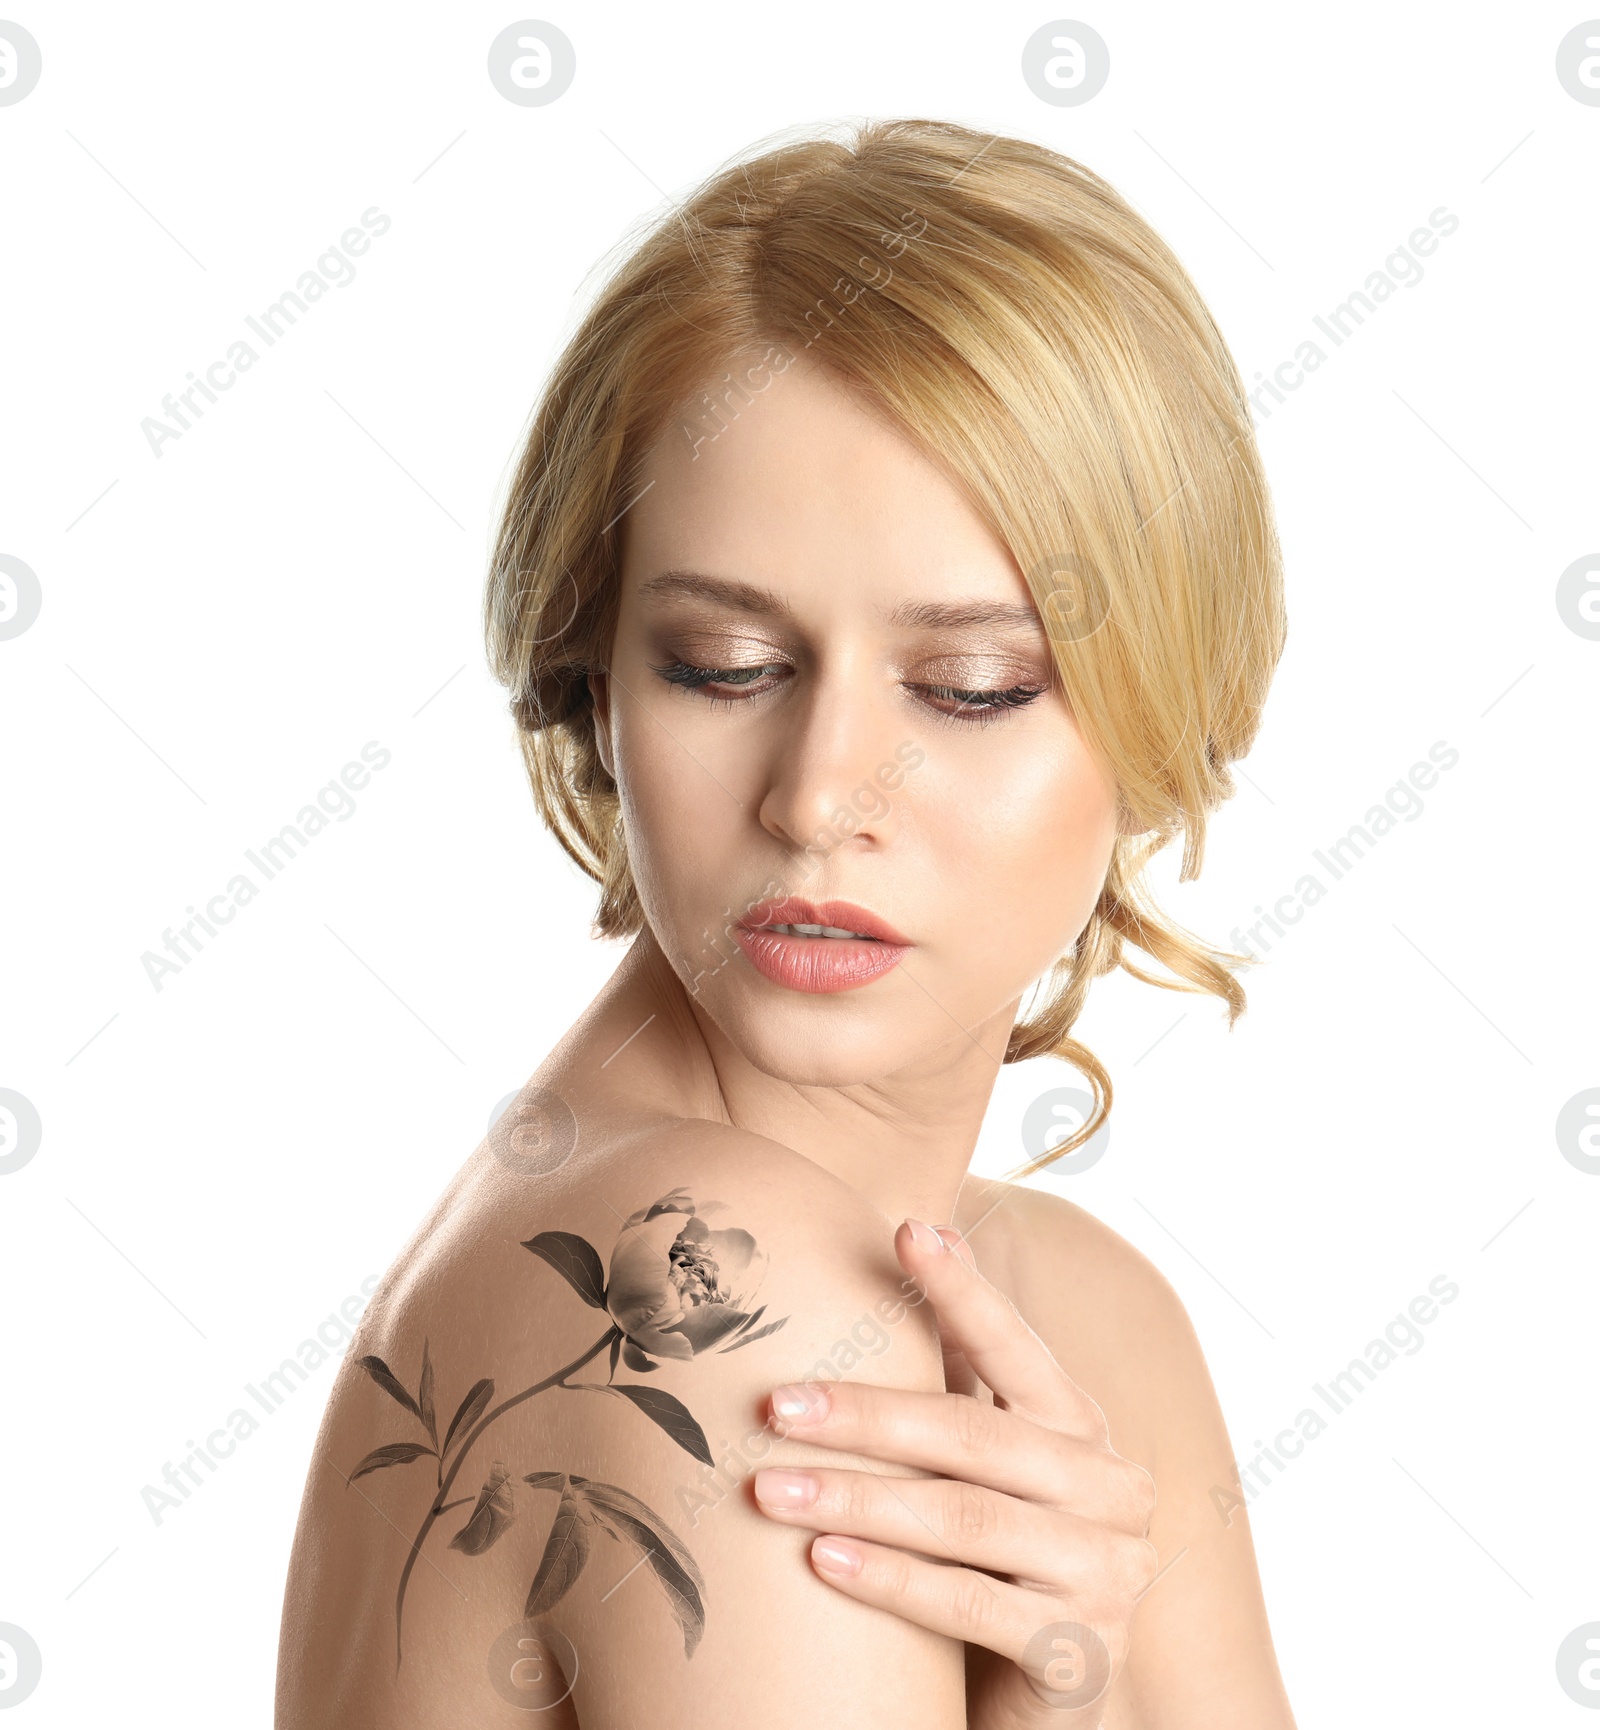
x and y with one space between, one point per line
786 1489
795 1404
957 1245
925 1237
835 1556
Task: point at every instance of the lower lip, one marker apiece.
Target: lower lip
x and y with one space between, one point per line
818 964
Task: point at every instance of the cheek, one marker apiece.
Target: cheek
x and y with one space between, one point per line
679 812
1029 836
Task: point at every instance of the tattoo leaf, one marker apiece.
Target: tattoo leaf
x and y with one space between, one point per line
395 1454
425 1396
491 1516
616 1346
469 1411
635 1359
759 1334
671 1414
546 1480
674 1568
390 1383
613 1499
574 1258
565 1552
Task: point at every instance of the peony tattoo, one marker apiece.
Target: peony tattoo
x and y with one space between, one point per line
675 1289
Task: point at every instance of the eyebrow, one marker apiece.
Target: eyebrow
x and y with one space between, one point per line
955 615
743 597
913 615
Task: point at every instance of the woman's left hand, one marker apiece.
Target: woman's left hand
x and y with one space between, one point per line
1032 1541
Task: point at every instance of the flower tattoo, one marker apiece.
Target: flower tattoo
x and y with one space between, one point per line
675 1289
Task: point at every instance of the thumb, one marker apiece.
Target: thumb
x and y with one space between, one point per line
954 1240
959 1376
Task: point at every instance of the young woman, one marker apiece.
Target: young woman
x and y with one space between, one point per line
888 574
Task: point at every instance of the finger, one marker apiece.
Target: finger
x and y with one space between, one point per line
961 1522
959 1376
972 1607
958 1373
963 1438
954 1240
985 1326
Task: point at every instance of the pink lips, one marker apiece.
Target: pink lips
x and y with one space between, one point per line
819 964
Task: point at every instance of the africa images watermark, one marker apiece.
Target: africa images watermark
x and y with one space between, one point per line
1403 1335
334 269
868 1337
1401 803
1401 269
332 1336
722 411
273 855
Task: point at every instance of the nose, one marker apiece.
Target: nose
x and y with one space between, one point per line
835 779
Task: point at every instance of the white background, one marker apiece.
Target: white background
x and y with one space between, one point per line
224 1161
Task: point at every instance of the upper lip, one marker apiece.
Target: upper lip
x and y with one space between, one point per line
842 915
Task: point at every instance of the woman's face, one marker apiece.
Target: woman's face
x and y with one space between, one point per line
830 688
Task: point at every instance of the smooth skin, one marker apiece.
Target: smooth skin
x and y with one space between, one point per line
1044 1521
996 1476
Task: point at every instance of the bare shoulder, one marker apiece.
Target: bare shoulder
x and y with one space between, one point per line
532 1474
1120 1330
1112 1318
1057 1252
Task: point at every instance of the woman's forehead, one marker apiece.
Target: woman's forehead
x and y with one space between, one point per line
807 487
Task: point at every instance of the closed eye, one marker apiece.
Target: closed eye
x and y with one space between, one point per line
740 684
723 684
980 706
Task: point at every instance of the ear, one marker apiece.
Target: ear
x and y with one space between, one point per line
600 699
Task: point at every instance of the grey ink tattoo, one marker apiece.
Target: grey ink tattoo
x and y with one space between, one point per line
675 1289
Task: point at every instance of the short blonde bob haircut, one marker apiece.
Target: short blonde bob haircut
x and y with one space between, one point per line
1032 335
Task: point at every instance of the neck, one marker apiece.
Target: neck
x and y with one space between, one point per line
903 1140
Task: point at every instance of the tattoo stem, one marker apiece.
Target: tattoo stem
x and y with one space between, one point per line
434 1508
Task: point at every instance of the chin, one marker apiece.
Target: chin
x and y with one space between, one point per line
838 1039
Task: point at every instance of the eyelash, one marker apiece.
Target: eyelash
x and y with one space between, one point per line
975 707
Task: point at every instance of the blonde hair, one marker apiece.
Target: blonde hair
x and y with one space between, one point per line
1032 334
